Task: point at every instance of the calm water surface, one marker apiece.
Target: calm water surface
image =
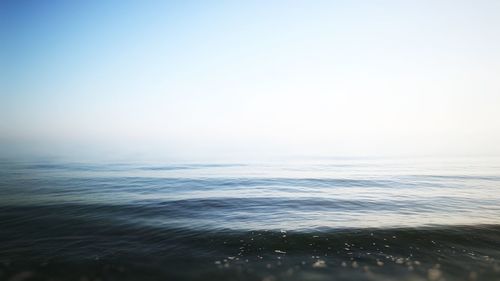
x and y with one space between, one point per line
334 219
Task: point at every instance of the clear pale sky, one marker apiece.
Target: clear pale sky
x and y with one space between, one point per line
213 79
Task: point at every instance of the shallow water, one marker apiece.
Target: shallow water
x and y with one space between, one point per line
334 219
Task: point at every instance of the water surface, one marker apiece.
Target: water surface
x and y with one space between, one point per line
329 219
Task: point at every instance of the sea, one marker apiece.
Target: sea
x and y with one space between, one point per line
302 219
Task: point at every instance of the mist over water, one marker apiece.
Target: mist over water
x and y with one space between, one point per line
346 219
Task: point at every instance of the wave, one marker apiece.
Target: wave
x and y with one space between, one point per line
53 243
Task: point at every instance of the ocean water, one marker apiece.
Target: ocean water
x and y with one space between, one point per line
319 219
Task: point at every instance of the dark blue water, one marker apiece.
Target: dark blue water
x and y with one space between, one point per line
334 219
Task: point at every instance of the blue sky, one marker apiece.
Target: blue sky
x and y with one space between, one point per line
243 78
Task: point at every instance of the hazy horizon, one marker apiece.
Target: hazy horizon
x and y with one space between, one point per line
221 80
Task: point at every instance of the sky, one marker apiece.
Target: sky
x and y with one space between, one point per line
216 79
